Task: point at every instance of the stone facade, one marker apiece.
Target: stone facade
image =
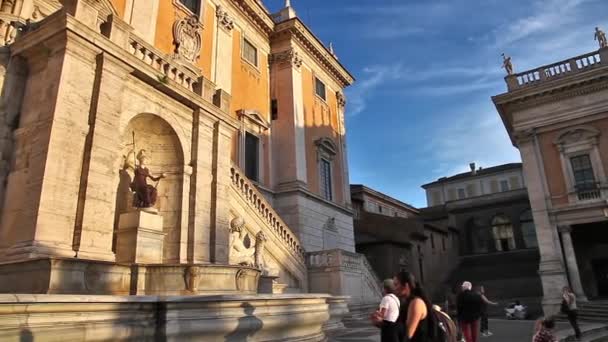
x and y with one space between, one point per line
556 116
497 245
394 237
240 115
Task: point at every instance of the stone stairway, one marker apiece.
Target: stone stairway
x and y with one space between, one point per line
593 311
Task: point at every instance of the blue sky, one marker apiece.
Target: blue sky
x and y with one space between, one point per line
426 70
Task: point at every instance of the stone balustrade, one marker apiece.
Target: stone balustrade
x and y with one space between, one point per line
349 263
557 70
168 70
265 211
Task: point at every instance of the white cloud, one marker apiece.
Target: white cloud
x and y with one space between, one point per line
548 16
373 78
475 135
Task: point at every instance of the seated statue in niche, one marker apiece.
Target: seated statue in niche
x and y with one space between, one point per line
144 193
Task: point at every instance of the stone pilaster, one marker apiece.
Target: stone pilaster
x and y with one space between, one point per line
551 268
199 227
570 256
97 200
341 99
223 49
220 197
289 136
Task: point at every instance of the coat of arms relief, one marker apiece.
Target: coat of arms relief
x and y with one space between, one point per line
187 38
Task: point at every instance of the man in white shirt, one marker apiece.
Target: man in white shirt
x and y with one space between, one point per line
386 316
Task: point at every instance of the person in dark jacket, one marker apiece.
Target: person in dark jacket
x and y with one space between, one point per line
469 305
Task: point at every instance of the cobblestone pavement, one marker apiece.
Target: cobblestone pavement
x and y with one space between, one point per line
503 331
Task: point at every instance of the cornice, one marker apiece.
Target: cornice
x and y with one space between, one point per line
295 29
558 94
256 13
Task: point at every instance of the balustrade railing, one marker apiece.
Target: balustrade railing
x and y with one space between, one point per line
588 192
157 60
265 210
556 70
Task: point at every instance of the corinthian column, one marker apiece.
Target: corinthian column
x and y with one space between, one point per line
570 255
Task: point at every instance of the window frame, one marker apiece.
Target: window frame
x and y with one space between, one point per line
325 179
201 8
504 188
575 141
461 193
244 42
316 81
258 175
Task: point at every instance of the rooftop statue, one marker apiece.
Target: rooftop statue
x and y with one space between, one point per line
600 36
507 64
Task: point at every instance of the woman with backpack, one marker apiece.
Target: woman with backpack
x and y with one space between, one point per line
386 316
417 320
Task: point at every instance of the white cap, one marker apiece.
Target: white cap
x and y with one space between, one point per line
467 285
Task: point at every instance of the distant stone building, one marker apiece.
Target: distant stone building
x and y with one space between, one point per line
393 237
497 242
557 116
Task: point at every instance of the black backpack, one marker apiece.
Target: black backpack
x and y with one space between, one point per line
440 327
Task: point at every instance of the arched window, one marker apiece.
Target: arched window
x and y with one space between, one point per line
503 233
528 230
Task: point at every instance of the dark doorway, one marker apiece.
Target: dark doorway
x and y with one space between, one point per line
252 163
600 269
504 244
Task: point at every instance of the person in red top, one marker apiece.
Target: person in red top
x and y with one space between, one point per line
544 331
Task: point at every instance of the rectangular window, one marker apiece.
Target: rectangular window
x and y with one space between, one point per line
583 172
250 52
461 194
320 89
493 186
252 164
192 5
326 180
432 241
471 191
451 194
504 185
379 208
274 109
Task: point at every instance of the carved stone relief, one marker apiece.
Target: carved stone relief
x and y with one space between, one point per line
223 19
290 57
187 37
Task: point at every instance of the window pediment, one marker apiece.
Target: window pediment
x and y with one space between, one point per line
254 117
327 146
577 135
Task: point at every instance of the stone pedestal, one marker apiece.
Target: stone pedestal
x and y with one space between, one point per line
140 238
266 284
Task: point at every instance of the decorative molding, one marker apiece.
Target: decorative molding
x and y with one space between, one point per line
290 57
253 116
257 14
577 134
524 136
341 99
327 148
554 95
187 38
295 29
224 19
564 229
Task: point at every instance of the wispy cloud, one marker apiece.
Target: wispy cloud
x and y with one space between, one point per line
373 77
547 16
477 136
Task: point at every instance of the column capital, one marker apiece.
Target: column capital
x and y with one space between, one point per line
564 229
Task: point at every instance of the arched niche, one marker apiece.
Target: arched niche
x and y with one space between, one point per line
161 143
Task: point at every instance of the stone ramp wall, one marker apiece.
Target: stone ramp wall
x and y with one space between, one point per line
150 318
342 273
